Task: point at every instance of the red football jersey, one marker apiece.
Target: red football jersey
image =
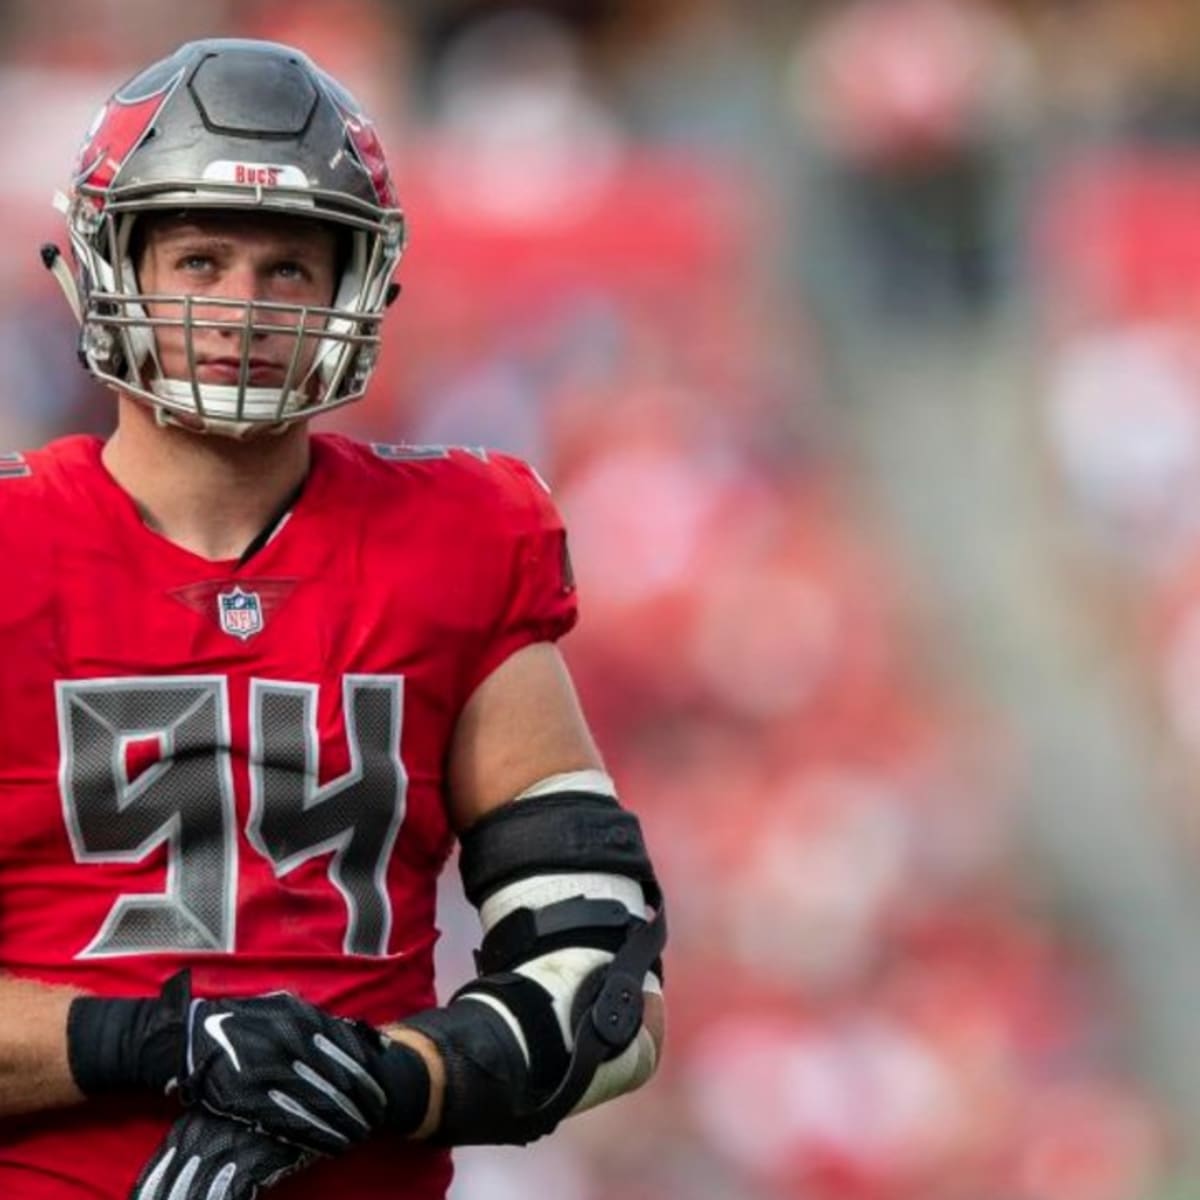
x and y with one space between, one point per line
239 768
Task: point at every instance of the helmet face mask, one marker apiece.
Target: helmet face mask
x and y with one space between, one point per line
239 127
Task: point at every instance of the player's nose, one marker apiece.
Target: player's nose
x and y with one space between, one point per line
230 298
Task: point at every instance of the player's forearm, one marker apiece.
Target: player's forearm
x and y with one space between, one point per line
34 1071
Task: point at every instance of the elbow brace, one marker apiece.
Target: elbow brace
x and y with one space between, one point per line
553 1022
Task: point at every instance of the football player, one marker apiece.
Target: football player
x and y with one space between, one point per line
258 682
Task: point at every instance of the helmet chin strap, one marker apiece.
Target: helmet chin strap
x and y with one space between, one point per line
239 431
221 402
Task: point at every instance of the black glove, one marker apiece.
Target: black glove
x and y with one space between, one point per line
206 1157
294 1071
275 1062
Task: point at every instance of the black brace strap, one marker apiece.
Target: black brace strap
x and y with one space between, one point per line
527 1002
559 832
575 921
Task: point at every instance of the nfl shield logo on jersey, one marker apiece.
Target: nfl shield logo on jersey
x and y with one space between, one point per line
241 613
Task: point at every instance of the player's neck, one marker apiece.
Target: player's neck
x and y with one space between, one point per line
211 495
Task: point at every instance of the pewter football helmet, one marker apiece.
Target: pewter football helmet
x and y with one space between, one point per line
231 124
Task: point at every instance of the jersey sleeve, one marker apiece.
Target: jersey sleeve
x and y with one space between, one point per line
535 585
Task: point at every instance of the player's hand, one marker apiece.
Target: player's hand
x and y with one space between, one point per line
291 1070
274 1062
206 1157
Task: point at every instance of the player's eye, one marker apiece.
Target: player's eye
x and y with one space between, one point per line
194 262
291 270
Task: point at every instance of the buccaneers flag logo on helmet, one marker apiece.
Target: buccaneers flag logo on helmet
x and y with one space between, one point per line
116 132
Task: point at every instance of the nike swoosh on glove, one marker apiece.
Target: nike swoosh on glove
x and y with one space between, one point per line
291 1070
206 1157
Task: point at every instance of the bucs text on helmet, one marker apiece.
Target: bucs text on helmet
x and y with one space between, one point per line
244 126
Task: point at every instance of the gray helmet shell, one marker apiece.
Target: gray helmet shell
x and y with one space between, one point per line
238 125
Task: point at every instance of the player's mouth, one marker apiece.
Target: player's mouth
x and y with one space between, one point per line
260 372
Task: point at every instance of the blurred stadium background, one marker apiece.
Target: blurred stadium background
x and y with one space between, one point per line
858 339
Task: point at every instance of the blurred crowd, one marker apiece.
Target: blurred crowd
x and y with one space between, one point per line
643 239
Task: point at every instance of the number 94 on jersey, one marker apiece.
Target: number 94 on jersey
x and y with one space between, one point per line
178 730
